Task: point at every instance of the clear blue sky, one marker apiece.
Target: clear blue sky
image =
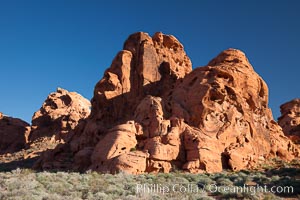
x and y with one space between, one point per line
56 43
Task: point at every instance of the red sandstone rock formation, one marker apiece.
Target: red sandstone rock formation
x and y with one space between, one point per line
152 113
59 114
227 103
13 134
290 120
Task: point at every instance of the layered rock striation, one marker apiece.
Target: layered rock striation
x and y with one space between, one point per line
152 113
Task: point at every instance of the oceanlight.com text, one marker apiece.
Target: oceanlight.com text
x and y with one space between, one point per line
211 188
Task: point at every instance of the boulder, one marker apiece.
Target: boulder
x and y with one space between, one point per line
119 140
13 134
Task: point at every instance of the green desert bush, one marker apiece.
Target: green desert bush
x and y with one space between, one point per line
28 184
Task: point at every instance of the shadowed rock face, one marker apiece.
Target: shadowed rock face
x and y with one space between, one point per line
59 114
152 113
290 120
13 134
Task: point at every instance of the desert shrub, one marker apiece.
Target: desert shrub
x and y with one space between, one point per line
133 149
131 197
270 196
223 181
180 180
242 173
150 177
218 175
239 180
27 184
275 178
285 171
205 181
261 179
205 198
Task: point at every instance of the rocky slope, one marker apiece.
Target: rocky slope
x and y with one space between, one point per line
13 133
290 120
152 113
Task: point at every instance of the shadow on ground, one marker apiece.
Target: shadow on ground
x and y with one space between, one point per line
24 164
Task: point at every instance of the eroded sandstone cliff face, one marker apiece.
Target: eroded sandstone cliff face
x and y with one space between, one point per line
227 103
152 113
13 133
290 120
59 115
